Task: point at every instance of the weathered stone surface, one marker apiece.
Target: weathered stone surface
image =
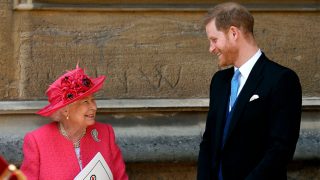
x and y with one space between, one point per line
150 54
11 148
149 137
290 40
140 60
9 84
308 146
165 1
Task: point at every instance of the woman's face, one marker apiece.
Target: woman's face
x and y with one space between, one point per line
82 112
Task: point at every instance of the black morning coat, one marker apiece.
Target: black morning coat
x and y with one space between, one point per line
263 132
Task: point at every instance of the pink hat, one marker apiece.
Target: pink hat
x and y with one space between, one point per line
69 88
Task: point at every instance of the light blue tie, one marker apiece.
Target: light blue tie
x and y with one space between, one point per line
233 98
234 87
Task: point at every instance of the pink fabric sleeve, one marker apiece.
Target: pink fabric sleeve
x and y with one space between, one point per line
30 165
119 169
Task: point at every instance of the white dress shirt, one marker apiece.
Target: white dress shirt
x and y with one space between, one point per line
245 70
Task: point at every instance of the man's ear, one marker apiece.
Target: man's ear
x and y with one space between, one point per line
234 32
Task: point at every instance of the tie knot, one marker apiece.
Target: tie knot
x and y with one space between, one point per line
236 74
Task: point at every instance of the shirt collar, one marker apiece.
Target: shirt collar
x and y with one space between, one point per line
246 68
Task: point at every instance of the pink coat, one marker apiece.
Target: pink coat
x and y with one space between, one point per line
49 155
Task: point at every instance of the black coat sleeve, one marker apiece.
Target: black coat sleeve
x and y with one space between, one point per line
284 124
204 167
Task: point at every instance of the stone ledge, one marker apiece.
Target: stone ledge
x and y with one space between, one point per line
311 103
125 105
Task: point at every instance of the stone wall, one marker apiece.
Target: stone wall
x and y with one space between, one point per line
145 53
155 56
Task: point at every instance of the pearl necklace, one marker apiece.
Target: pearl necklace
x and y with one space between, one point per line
64 133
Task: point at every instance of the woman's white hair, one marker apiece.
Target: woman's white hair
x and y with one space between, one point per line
58 115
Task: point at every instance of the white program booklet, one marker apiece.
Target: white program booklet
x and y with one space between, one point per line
97 168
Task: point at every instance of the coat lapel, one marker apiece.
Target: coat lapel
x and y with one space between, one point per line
251 84
222 102
89 147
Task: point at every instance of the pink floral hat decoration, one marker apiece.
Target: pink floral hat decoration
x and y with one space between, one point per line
68 88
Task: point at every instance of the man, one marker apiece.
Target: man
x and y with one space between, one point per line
255 106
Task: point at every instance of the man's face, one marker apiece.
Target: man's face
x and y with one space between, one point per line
221 45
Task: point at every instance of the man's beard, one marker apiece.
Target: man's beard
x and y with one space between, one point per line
230 55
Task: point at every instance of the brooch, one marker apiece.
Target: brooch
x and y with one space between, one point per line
94 134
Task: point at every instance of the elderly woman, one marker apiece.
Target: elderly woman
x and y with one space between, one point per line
62 148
